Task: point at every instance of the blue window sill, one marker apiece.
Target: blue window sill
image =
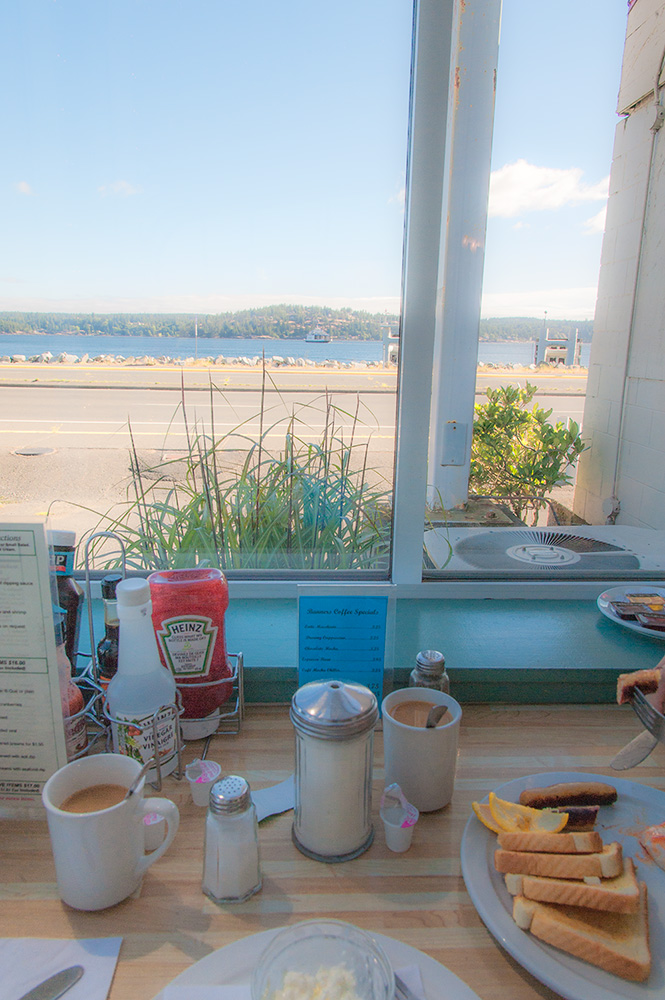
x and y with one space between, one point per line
516 650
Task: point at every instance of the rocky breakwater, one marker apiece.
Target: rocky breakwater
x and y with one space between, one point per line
276 361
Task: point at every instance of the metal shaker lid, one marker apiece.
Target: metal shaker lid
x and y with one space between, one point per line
431 661
230 795
333 710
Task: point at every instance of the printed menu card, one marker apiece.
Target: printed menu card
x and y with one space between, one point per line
343 637
32 741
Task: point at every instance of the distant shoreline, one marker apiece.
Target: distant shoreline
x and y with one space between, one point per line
235 364
243 352
202 339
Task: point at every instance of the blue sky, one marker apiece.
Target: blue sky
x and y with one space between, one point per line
206 156
558 81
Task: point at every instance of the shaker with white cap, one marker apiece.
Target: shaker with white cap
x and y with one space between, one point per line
231 868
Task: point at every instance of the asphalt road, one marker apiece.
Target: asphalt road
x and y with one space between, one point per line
64 433
67 414
239 378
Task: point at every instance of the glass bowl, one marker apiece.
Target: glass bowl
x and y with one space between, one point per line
316 946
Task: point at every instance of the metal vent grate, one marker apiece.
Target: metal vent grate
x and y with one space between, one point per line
537 548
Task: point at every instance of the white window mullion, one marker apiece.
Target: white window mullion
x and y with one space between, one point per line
467 185
425 213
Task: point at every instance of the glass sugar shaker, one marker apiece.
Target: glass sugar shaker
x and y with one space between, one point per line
334 729
231 868
430 671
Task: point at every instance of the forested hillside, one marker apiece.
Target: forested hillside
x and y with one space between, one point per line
521 328
279 322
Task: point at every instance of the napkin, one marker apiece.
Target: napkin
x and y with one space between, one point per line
410 974
26 962
275 799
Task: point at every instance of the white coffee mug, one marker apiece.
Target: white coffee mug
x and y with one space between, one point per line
421 761
100 856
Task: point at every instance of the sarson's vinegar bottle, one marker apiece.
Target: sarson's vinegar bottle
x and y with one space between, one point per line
142 686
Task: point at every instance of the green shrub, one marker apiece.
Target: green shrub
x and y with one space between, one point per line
516 453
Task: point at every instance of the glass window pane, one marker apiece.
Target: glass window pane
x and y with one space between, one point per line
565 474
222 186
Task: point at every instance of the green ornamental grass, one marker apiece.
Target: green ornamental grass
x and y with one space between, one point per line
312 505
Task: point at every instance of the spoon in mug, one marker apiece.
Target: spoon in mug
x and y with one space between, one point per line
434 716
137 780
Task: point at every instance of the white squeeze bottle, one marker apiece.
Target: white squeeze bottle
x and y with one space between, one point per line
141 685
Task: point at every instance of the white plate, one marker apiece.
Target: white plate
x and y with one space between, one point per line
233 965
637 807
621 594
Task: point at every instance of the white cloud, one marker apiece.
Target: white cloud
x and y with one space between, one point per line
24 188
596 224
122 189
559 303
523 187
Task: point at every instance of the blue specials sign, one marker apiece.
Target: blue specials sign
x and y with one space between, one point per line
343 638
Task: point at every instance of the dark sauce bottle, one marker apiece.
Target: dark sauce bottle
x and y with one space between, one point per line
70 593
107 649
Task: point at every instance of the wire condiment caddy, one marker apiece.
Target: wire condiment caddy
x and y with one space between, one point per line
100 720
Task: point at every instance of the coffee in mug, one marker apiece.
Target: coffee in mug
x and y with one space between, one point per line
97 833
95 797
421 761
414 713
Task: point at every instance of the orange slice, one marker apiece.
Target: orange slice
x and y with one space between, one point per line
513 817
482 811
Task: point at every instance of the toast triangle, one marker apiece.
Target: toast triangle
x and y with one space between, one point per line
615 895
607 863
615 942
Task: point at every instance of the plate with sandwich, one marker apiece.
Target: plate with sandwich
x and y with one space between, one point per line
640 608
581 906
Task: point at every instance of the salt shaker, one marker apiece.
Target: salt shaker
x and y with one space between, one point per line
430 671
334 726
231 870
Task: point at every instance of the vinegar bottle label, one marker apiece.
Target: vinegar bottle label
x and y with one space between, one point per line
135 738
188 644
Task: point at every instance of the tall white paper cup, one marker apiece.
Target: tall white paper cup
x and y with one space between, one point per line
100 856
421 761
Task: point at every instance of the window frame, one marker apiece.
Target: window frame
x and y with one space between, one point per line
437 38
438 177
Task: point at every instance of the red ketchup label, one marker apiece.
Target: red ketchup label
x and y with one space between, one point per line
187 644
188 608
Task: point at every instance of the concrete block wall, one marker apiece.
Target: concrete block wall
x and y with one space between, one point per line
624 416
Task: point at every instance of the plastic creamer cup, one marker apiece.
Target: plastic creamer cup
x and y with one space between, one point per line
202 775
399 818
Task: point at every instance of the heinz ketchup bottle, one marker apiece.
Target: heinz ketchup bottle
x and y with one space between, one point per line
188 608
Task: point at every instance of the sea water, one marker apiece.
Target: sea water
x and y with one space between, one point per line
497 353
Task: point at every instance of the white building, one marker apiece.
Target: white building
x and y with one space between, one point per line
622 475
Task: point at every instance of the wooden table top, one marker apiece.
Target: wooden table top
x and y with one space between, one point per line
417 897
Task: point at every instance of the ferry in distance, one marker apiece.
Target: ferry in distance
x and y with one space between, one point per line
318 336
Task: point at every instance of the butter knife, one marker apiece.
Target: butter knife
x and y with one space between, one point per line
634 752
56 985
402 991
